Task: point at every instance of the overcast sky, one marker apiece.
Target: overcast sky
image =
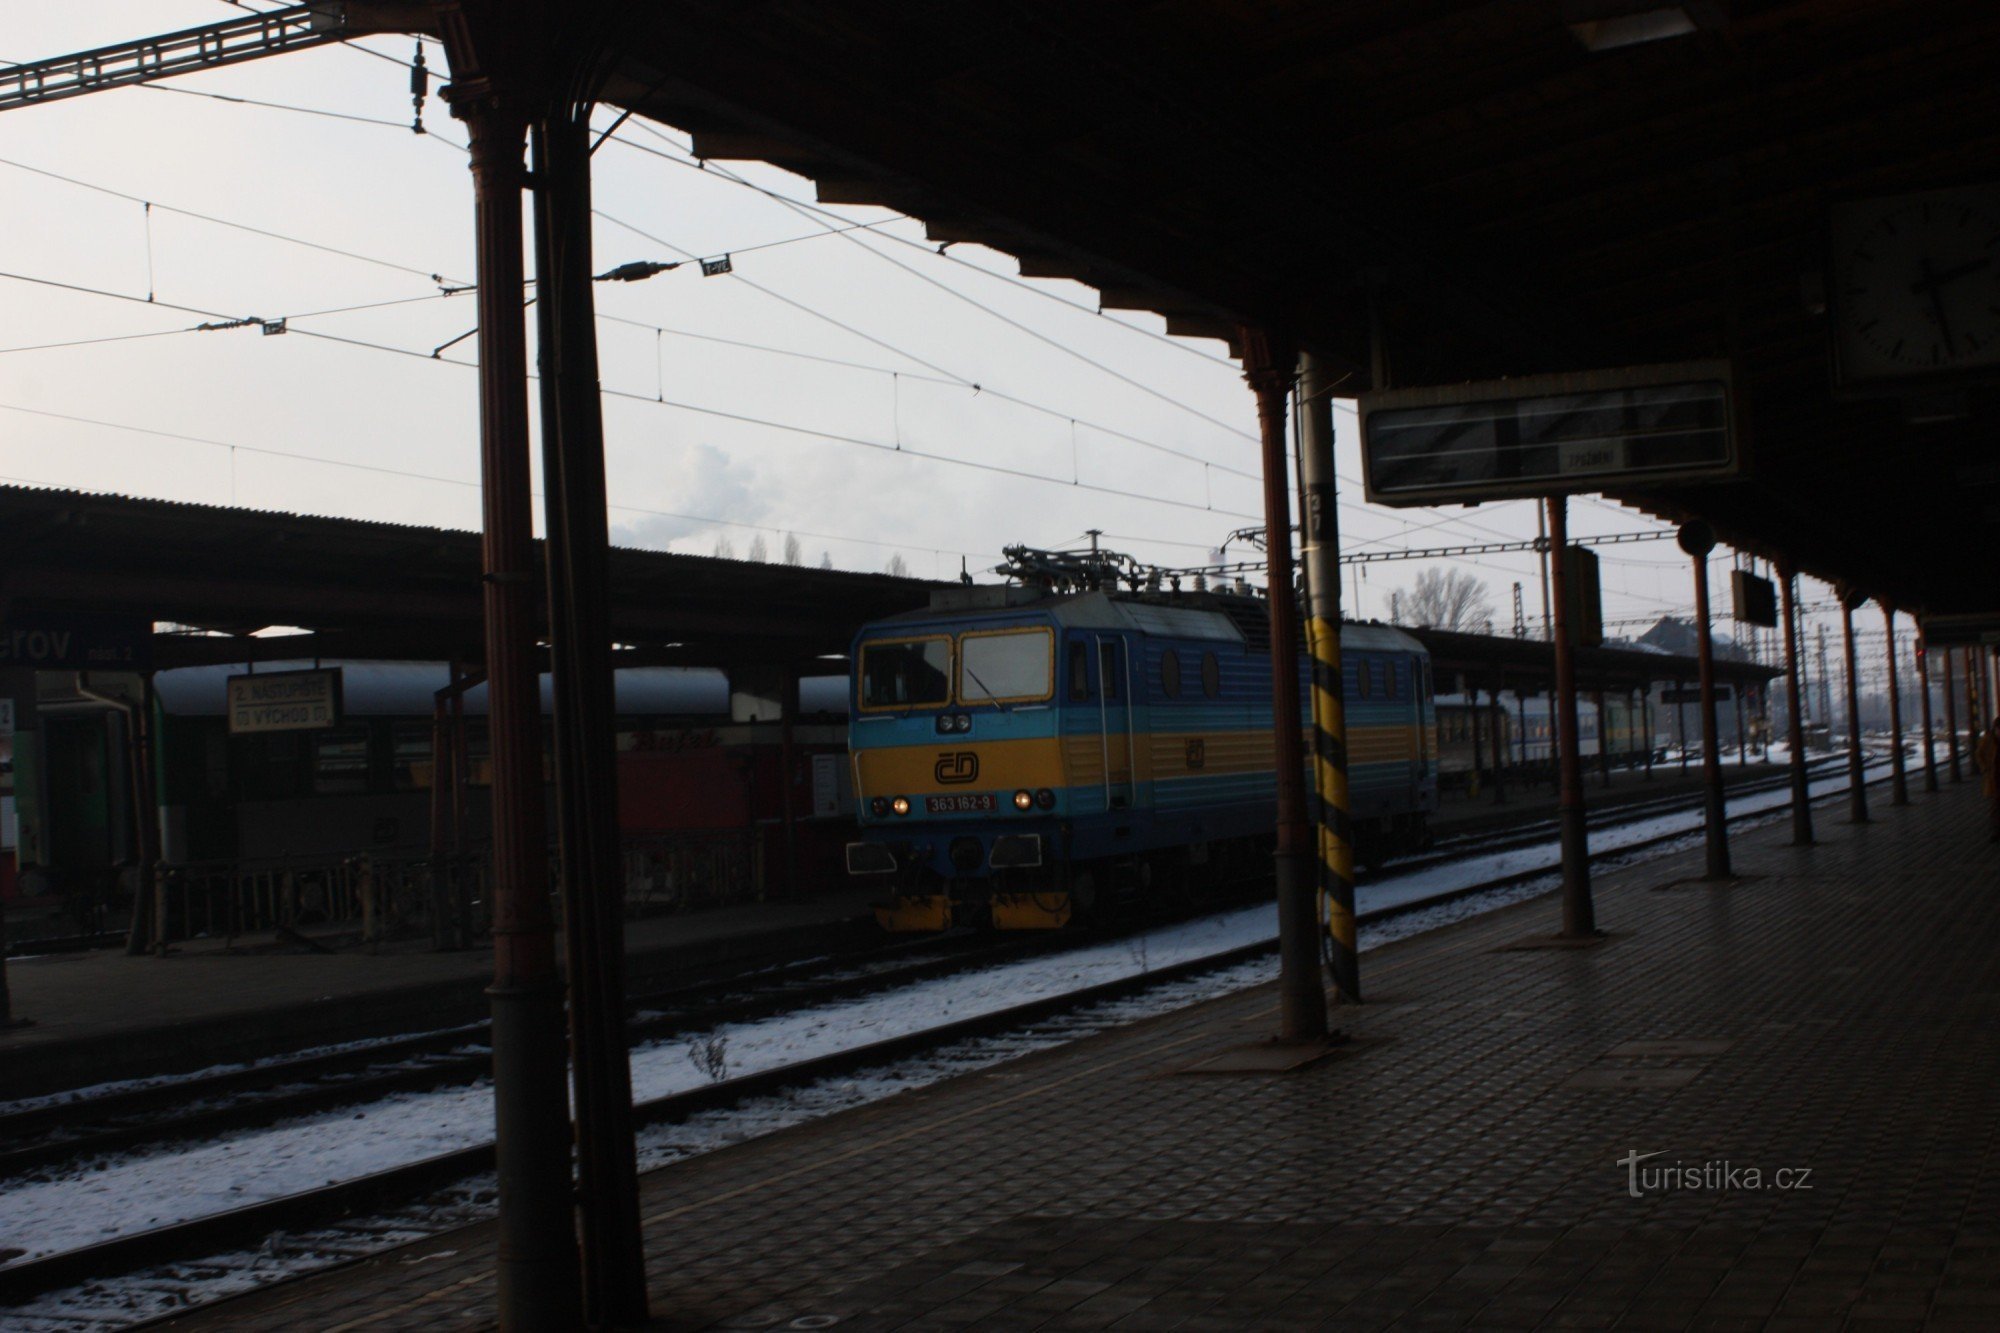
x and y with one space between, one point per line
1064 393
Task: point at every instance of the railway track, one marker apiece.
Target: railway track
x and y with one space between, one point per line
193 1108
356 1197
1626 812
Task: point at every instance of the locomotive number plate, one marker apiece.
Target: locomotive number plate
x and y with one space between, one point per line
953 805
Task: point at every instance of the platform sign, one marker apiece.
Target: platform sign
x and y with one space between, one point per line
1961 631
284 701
1755 598
1691 694
1549 434
1583 597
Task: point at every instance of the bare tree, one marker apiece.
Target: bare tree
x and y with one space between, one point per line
826 560
724 548
760 550
793 555
1448 599
899 566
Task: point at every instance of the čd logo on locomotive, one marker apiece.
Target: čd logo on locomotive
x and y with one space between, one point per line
960 767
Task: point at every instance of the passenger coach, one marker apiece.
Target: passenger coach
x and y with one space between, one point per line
1019 757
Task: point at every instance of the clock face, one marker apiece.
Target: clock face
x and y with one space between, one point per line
1915 286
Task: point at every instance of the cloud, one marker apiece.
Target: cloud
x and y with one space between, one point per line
703 481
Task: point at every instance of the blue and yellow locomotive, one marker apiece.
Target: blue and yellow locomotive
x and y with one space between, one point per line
1021 755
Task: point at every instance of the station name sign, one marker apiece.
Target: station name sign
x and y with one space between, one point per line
1539 435
76 643
284 701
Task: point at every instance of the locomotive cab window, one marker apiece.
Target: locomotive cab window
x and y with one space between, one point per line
1111 669
1170 674
1361 674
1006 666
906 673
1211 675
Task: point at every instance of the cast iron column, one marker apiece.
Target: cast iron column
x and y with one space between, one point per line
1924 685
1698 539
586 723
1974 704
1267 366
537 1287
1579 914
1603 736
1802 829
1857 788
1319 530
1899 783
1951 719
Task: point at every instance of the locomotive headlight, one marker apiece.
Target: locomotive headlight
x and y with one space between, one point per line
1024 800
901 805
964 722
1045 799
878 806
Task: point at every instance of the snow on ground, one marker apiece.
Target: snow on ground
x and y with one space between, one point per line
137 1191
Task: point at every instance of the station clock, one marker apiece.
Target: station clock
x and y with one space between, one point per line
1913 288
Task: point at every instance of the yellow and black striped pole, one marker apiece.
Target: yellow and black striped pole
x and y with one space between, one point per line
1319 543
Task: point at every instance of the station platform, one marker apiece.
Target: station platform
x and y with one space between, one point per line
102 1016
1768 1103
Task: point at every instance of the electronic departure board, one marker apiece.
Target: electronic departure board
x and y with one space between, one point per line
1549 434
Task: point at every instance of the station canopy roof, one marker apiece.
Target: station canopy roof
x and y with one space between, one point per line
1475 181
382 590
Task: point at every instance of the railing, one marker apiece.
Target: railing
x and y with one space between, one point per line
386 896
401 895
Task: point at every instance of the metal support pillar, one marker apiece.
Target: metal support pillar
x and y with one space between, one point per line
1924 687
1603 737
1899 782
1579 914
586 724
1478 750
1975 719
1697 539
537 1277
1951 719
1319 539
18 687
1742 731
788 758
1857 787
1652 736
1795 699
1268 366
1681 720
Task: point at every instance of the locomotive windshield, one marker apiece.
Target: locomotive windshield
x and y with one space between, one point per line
905 673
1009 666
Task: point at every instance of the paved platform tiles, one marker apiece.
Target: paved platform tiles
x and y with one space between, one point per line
1461 1163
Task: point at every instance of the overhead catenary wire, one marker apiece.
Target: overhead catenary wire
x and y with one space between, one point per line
796 205
849 226
946 376
788 427
943 252
472 484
